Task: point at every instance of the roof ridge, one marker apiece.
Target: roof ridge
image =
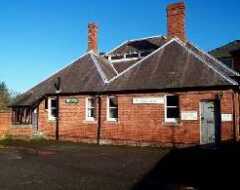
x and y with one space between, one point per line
140 61
99 69
202 60
101 57
216 60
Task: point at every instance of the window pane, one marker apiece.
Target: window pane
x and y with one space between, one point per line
54 113
172 100
53 103
91 112
113 113
113 101
172 113
91 102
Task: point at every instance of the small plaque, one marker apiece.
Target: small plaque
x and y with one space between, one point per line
189 115
226 117
71 101
148 100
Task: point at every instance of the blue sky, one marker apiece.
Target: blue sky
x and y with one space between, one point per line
38 37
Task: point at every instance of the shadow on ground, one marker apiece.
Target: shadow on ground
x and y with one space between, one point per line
209 167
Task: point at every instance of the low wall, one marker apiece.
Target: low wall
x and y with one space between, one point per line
5 122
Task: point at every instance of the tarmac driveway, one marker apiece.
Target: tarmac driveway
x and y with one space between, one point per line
92 167
80 166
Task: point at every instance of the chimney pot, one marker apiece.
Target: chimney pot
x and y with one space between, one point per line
92 37
176 20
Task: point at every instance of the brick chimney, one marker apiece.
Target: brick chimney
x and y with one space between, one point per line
176 20
92 37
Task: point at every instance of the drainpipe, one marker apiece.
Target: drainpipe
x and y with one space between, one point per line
234 117
57 86
57 119
99 120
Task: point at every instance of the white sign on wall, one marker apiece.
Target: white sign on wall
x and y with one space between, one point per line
148 100
189 115
226 117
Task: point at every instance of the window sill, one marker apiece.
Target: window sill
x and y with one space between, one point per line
174 124
21 126
112 121
52 121
90 121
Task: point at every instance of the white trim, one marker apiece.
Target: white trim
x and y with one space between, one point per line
108 62
202 60
99 69
86 109
50 116
108 110
169 120
125 59
140 61
132 40
114 68
213 58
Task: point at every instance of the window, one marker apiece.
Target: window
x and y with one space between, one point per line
22 116
112 108
90 109
172 109
52 108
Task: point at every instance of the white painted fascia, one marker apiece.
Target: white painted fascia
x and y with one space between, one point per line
124 59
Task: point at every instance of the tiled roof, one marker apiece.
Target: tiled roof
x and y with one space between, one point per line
226 50
173 64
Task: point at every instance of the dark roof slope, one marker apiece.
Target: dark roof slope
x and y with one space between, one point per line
170 67
123 65
208 58
173 65
226 50
140 45
85 74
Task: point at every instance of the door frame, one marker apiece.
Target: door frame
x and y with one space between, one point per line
200 115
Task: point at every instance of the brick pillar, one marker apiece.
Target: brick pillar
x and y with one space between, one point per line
92 37
176 21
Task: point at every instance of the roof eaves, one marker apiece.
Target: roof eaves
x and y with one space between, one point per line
140 61
202 60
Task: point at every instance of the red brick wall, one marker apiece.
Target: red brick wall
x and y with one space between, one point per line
145 123
47 128
21 132
137 124
5 122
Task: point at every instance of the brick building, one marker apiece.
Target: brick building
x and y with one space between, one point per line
229 54
158 90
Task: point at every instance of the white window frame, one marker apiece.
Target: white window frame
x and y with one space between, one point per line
50 108
108 110
87 108
169 120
